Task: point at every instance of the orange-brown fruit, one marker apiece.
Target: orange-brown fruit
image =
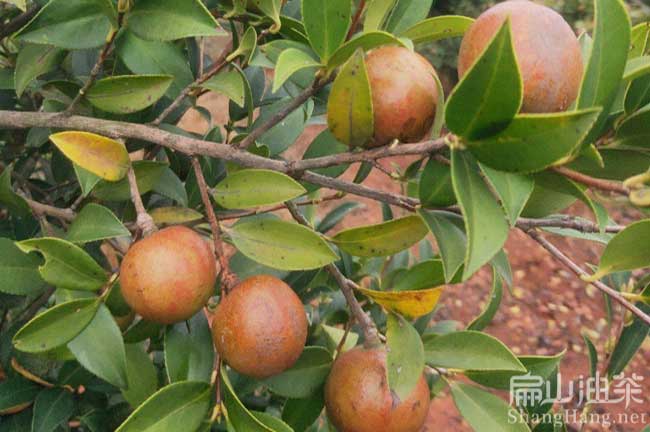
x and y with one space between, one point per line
547 51
168 276
260 327
358 398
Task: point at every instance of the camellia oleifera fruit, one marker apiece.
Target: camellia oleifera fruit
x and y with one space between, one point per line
547 52
260 327
404 95
168 276
358 398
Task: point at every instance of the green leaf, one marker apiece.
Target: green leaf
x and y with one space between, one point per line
142 376
350 114
305 377
382 239
513 190
634 131
494 301
291 61
163 58
95 222
169 185
19 273
637 67
299 414
423 275
366 42
15 393
52 407
325 144
174 215
450 238
284 134
61 23
282 245
100 349
256 187
34 61
487 98
165 20
239 416
533 142
593 355
56 326
178 406
189 351
606 63
246 47
66 265
437 28
637 95
470 350
435 187
407 13
630 341
128 93
486 412
87 180
627 250
272 422
326 24
639 40
20 4
405 358
147 174
14 202
270 8
230 84
545 367
377 12
478 205
334 336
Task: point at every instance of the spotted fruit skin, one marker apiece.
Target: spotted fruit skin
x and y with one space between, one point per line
358 398
260 327
547 51
168 276
404 94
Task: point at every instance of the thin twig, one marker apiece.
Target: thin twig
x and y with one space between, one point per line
17 23
575 268
371 335
567 222
356 18
227 277
66 215
143 220
316 201
596 183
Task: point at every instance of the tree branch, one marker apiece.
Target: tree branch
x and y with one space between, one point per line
596 183
575 268
370 333
17 23
66 215
143 220
568 222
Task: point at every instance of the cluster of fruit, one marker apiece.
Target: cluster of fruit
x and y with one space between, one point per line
260 327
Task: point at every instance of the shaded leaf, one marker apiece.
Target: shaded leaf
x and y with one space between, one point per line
494 301
305 377
634 131
142 376
291 61
52 407
299 414
366 42
405 356
174 215
147 174
334 336
19 273
239 416
17 393
189 351
377 12
128 93
231 83
437 28
34 61
450 238
513 190
14 202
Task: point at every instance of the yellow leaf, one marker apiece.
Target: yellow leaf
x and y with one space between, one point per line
174 215
101 156
411 304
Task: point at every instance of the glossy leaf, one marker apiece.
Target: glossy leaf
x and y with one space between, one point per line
239 416
61 22
350 103
382 239
478 206
492 306
164 20
435 188
305 377
487 98
34 61
326 24
174 215
95 222
100 349
256 187
282 245
189 351
14 202
128 93
437 28
470 350
411 304
406 14
513 190
636 68
56 326
405 358
450 237
246 47
377 13
102 156
486 412
291 61
142 375
230 84
627 250
533 142
19 273
425 274
366 42
178 406
52 407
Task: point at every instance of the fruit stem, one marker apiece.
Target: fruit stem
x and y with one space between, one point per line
370 333
143 220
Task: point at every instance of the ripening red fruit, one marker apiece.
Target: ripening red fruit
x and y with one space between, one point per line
358 398
260 327
547 50
168 276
